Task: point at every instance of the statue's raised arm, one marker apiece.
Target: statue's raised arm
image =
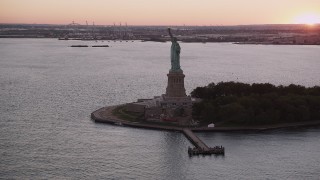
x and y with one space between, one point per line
169 30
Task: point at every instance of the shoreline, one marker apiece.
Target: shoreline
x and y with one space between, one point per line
164 41
104 115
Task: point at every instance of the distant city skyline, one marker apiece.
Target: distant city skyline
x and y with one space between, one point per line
160 12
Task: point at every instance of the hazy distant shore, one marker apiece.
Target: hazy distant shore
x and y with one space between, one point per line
246 34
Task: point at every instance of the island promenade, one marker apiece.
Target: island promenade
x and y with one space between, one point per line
104 115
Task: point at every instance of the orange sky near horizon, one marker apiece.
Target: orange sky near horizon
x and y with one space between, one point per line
160 12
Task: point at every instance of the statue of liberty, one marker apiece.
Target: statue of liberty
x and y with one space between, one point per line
175 54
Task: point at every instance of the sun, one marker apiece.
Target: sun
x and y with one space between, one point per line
308 18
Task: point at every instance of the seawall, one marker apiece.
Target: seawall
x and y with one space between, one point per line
104 115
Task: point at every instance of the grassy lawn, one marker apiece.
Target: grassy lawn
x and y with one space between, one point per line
121 113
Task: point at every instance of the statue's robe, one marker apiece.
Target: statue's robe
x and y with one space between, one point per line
175 56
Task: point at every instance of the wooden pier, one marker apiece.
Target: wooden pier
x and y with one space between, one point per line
195 140
200 146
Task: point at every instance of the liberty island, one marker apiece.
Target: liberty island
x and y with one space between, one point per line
170 111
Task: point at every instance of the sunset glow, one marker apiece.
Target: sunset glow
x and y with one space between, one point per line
160 12
308 18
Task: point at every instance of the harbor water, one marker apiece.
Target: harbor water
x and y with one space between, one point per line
48 90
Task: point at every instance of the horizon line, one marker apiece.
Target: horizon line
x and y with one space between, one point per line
159 25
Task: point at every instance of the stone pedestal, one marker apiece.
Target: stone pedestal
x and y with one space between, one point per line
175 86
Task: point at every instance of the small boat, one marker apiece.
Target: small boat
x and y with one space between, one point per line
118 123
64 39
100 46
79 46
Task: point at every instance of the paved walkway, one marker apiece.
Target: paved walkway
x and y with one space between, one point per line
104 115
196 141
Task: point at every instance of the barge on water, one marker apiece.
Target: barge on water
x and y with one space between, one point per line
79 46
100 46
217 150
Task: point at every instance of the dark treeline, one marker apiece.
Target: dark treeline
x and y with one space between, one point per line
234 103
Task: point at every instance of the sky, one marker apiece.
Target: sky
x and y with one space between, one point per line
160 12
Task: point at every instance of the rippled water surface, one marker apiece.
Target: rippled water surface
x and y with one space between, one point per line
48 90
